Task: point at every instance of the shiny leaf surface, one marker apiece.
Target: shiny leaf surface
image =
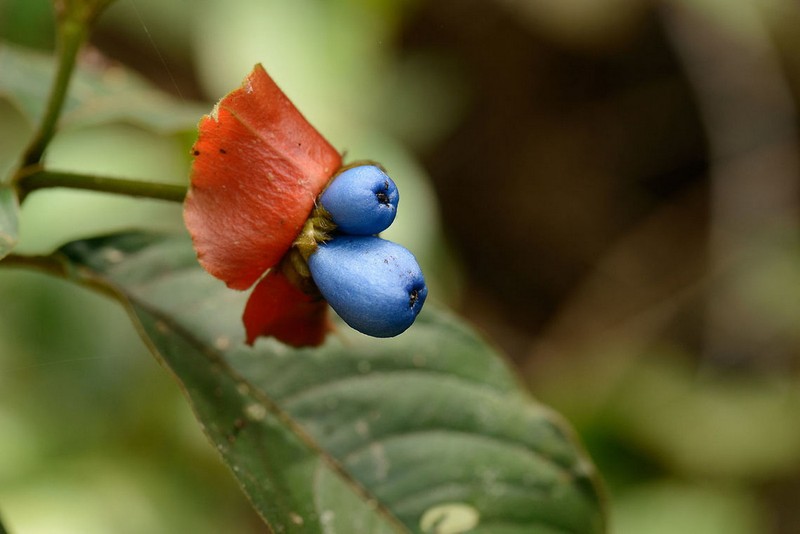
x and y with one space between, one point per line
426 432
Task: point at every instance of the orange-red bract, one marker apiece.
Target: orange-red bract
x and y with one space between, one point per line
258 168
278 308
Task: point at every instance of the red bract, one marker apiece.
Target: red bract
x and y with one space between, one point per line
278 308
258 168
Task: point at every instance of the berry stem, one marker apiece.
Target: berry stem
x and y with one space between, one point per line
317 229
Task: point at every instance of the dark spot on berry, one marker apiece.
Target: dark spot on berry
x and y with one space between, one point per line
196 152
223 151
383 198
412 297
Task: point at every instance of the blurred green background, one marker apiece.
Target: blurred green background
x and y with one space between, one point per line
610 190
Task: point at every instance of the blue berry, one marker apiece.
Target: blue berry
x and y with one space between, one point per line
362 200
375 285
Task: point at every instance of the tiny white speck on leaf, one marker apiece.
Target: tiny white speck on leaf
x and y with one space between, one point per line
362 428
449 518
222 342
113 255
255 412
326 517
381 461
162 327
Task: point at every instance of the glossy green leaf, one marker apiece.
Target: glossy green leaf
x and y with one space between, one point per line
97 94
9 209
426 432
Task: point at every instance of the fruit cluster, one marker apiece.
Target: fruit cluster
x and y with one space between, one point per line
375 286
259 168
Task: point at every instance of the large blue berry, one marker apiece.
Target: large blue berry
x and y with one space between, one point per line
375 285
362 200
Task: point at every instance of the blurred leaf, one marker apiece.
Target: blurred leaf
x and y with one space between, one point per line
9 210
743 18
113 150
668 507
429 428
300 43
579 23
15 131
83 12
97 94
28 22
423 97
710 426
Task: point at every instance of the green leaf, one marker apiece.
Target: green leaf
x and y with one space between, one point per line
97 94
426 432
9 211
83 12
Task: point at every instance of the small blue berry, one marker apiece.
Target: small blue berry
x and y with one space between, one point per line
362 200
375 285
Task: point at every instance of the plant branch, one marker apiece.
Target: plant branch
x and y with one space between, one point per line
45 264
71 36
44 179
57 266
74 20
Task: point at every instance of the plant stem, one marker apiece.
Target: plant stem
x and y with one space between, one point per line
56 265
44 179
45 264
72 34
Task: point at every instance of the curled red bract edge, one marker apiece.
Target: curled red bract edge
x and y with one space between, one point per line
258 169
278 308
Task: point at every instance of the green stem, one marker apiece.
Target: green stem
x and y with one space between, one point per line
72 35
56 265
45 264
44 179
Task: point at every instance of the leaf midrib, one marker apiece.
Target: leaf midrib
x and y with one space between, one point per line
285 418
